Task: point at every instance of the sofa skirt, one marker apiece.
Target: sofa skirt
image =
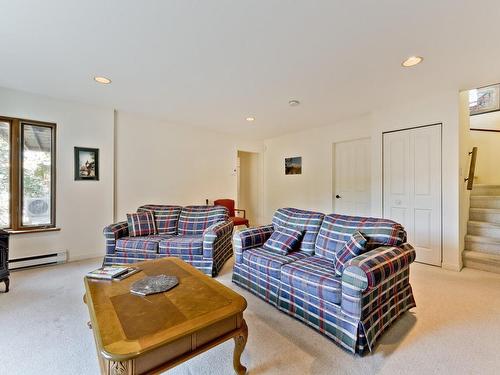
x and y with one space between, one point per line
258 283
352 334
222 251
325 317
376 321
197 261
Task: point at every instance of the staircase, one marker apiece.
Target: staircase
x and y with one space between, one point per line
482 242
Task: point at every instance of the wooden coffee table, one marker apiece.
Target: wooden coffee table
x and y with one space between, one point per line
148 335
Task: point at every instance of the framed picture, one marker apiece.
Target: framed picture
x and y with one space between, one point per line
484 100
86 163
293 165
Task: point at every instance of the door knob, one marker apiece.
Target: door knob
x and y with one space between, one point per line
338 196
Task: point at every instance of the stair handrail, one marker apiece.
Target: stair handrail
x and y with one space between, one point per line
472 168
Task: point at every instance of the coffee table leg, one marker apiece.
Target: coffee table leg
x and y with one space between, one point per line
239 345
121 368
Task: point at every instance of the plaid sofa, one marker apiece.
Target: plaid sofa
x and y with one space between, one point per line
352 309
199 235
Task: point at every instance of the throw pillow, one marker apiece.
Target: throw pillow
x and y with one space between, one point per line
355 245
283 240
141 224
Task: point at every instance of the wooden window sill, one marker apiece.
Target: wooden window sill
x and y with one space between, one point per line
35 230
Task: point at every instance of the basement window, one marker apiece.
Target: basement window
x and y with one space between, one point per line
27 175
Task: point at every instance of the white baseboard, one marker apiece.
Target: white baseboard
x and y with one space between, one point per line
452 267
90 255
38 260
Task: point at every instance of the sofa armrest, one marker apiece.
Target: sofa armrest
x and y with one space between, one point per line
112 233
250 238
216 238
377 268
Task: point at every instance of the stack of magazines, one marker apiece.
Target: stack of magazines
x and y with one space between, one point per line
112 273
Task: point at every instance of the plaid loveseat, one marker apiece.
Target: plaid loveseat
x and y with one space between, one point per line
352 309
199 235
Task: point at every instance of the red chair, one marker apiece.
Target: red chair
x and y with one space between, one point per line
229 204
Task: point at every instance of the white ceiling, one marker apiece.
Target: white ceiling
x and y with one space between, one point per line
213 63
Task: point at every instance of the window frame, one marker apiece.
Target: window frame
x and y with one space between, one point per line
9 121
16 175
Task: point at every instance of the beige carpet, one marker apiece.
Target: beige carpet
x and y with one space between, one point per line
455 329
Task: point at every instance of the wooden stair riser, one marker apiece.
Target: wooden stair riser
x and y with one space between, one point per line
482 201
482 261
482 242
482 246
485 190
483 229
483 215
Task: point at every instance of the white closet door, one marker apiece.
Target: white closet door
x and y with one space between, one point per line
352 179
412 187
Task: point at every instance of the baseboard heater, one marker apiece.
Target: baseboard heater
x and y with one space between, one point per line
38 261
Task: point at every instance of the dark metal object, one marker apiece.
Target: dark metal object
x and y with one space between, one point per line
4 259
338 196
154 284
472 169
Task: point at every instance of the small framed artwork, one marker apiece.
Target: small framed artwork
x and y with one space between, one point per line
86 163
484 100
293 165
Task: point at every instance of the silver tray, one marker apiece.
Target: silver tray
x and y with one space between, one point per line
153 284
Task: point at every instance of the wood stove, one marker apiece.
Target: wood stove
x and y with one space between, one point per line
4 259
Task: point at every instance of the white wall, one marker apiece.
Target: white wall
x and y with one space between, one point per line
82 207
488 143
465 148
438 108
313 189
163 163
158 162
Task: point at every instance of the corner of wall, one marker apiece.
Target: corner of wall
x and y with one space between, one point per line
464 148
452 267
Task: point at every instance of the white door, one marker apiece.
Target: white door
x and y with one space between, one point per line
412 187
352 179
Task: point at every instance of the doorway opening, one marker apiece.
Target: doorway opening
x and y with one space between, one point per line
249 172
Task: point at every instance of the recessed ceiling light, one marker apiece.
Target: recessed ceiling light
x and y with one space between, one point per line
250 119
293 103
412 61
103 80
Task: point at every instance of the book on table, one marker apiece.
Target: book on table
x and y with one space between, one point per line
108 273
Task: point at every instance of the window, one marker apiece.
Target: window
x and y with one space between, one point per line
27 174
4 174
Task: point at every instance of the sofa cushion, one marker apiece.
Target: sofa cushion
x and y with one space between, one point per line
283 241
356 245
307 221
269 262
166 217
193 220
144 243
141 224
182 245
315 276
337 229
